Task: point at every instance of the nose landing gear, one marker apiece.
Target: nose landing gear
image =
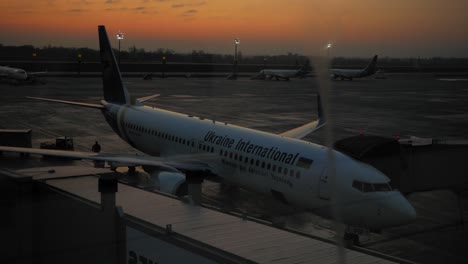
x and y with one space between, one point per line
351 239
354 235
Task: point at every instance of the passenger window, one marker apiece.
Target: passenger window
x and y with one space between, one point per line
246 160
268 166
280 169
263 164
257 163
220 152
230 155
285 171
274 167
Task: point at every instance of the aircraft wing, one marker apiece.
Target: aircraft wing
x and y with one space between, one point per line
68 102
175 165
304 130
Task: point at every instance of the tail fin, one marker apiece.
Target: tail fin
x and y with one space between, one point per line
372 67
114 89
306 67
304 70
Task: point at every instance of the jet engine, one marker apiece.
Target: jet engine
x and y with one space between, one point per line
170 182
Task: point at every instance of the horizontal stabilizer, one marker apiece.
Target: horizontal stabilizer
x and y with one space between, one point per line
98 106
147 98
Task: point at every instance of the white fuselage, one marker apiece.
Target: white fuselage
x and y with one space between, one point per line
349 73
13 73
293 170
284 74
355 73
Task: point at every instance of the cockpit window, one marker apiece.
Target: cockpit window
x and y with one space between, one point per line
367 187
382 187
371 187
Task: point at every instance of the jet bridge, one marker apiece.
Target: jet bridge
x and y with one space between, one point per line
413 164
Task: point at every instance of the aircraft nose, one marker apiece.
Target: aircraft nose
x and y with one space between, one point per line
401 210
407 212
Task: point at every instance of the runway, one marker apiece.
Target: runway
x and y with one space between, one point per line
401 105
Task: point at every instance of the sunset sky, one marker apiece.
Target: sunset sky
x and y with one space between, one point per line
357 28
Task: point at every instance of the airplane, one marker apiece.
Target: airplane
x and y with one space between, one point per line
349 74
18 75
283 73
180 147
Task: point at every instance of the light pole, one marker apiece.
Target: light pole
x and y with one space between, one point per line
236 42
79 56
329 45
120 36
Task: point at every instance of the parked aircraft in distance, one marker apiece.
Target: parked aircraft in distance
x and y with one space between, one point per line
181 146
359 73
18 75
283 73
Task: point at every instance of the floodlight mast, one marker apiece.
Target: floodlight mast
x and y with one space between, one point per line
120 36
329 45
236 42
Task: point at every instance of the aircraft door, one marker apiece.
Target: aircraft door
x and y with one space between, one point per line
324 185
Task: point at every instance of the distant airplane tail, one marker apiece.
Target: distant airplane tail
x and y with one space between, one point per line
306 65
304 70
372 67
114 89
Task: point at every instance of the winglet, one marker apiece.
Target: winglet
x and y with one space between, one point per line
304 130
320 113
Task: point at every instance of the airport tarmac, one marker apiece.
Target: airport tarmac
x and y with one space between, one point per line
401 105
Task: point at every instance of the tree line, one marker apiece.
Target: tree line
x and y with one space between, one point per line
134 54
